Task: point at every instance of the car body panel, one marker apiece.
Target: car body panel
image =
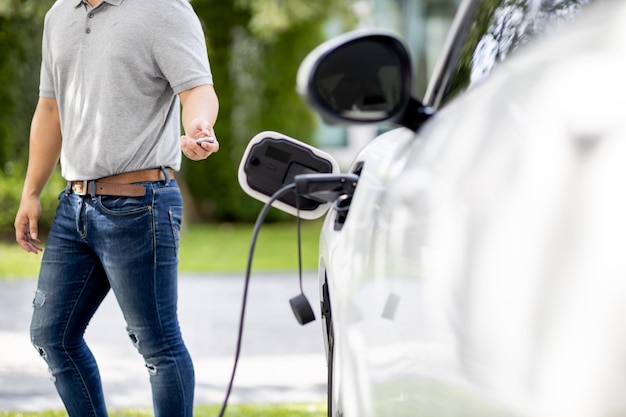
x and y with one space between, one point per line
479 271
344 253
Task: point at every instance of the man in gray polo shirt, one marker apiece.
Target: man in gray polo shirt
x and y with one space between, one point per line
114 74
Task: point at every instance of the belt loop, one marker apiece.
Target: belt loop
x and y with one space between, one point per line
166 176
92 187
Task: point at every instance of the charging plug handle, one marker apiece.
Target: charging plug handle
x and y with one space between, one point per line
302 309
325 188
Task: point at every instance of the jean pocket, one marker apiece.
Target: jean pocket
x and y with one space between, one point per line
123 206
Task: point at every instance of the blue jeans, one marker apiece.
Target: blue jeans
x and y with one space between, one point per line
129 245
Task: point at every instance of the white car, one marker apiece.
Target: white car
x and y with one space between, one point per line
474 263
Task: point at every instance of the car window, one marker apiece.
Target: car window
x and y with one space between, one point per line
488 33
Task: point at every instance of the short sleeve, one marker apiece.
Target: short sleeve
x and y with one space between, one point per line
180 50
46 79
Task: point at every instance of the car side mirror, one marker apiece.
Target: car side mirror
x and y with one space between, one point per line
361 77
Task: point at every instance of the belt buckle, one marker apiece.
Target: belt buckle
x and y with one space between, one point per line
82 187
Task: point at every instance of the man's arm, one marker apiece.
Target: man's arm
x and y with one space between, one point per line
43 155
200 108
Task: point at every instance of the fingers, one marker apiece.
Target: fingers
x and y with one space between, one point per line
26 235
206 129
26 225
210 147
198 151
30 245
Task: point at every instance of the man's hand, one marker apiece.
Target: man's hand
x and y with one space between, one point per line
199 151
26 229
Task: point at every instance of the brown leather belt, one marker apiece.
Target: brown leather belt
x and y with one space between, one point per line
120 185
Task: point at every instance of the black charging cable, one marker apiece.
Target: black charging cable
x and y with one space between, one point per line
299 238
300 304
257 227
319 187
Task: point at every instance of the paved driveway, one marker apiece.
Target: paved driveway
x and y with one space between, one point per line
281 361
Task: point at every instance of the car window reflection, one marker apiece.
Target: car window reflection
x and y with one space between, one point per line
500 28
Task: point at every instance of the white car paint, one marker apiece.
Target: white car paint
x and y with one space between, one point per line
481 270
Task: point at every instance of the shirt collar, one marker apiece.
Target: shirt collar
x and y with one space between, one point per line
111 2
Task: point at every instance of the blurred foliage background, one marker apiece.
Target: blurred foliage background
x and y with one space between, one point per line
255 48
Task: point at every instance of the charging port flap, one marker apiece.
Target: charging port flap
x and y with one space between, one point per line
272 160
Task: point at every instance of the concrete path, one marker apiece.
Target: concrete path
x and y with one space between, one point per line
281 361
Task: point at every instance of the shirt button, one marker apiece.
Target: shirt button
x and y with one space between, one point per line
87 31
90 15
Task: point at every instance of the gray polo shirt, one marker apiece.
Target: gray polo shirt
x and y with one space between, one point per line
115 71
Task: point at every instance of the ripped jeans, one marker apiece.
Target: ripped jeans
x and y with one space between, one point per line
129 245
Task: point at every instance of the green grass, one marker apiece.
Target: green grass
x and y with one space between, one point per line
248 410
208 248
224 248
